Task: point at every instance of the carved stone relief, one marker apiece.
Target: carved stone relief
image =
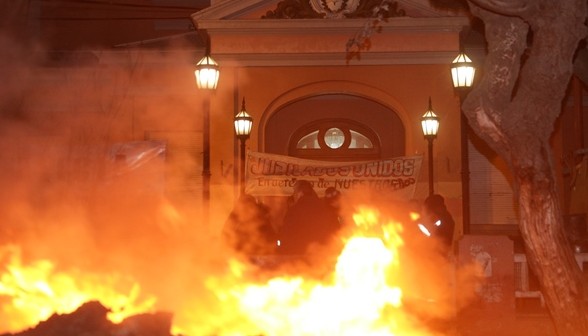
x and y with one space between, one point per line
334 9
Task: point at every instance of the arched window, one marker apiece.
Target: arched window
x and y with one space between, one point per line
318 127
335 139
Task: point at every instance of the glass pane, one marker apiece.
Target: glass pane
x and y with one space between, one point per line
359 140
309 141
334 137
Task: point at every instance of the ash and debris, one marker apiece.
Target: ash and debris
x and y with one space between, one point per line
90 319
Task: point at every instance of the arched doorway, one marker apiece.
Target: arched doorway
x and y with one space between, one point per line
332 127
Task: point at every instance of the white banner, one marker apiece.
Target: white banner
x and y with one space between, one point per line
275 175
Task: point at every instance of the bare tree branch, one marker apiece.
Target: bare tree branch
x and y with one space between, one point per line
493 94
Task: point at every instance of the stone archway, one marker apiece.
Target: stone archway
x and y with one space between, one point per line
334 100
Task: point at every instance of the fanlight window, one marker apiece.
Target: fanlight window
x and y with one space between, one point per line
309 141
334 138
359 140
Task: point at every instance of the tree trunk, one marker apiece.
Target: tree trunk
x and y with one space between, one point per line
550 254
531 44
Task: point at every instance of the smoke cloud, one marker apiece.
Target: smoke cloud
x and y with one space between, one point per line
68 198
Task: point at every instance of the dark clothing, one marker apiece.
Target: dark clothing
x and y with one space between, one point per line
306 222
444 230
440 223
332 199
248 229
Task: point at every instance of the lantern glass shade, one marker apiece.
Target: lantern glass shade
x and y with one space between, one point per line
462 71
207 73
243 124
430 124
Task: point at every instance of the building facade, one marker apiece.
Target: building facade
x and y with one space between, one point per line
288 60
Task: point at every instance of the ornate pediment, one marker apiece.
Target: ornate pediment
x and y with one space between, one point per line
292 32
293 9
333 9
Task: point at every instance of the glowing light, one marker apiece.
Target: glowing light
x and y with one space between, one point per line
355 300
424 230
359 298
360 294
35 291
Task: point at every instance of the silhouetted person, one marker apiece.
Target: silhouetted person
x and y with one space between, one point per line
332 199
307 221
248 229
438 220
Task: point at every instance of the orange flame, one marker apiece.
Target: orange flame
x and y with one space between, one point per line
362 294
33 292
359 298
348 305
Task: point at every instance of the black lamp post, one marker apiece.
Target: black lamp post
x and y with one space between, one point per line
207 74
430 125
463 73
243 124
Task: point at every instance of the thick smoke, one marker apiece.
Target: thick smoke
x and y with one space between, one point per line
68 198
66 195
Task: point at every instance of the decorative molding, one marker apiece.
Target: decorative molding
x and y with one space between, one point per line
366 9
302 26
228 9
333 9
333 59
232 9
293 9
